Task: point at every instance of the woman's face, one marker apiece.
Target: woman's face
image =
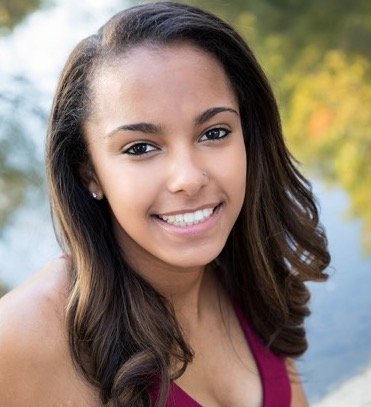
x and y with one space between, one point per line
166 144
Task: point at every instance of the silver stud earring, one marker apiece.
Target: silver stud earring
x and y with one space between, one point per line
96 195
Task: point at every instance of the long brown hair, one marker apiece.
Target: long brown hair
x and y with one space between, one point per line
123 334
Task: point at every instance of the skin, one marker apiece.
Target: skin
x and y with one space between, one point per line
35 367
35 364
169 178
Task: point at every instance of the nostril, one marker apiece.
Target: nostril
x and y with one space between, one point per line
188 179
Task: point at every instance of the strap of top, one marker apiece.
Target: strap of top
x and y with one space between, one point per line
272 368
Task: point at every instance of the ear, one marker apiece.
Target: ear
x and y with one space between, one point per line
90 180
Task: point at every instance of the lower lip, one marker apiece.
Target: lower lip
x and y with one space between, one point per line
193 230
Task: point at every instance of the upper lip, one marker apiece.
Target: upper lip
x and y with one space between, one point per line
188 210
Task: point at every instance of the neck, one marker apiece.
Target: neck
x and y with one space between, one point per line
192 292
193 301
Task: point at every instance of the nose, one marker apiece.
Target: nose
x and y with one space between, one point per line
187 174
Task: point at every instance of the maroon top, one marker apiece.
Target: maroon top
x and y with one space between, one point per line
272 370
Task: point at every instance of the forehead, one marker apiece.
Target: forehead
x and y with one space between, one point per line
177 55
149 71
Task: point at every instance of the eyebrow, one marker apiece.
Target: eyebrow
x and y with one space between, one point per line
209 113
150 128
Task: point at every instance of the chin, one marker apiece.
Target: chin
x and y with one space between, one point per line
193 261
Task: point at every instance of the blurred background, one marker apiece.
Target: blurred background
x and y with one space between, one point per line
317 55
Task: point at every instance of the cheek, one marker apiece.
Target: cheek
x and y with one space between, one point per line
239 159
238 178
130 191
231 170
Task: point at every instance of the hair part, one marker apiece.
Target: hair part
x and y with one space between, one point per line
123 334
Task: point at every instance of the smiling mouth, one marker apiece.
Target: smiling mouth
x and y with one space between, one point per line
188 218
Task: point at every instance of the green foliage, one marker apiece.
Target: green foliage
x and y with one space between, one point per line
20 167
329 126
12 12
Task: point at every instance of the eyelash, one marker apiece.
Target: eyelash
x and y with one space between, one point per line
131 149
134 146
217 129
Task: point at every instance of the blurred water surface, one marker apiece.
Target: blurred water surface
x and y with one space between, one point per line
319 67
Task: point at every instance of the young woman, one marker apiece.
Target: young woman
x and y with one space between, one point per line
187 230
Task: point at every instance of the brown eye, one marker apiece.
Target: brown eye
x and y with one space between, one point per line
215 134
140 149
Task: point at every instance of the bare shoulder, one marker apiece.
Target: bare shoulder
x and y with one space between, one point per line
32 334
36 307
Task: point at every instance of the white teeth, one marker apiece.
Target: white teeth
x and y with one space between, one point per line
199 215
189 218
